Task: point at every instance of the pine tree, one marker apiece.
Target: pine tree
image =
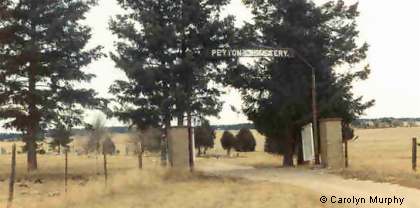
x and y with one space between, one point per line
204 137
276 92
158 49
245 141
42 52
228 141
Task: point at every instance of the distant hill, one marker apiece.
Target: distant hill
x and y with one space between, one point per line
9 136
112 129
234 126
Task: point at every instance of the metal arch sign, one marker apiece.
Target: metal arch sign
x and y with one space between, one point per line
250 52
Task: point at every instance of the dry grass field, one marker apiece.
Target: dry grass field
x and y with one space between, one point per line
151 187
159 188
382 155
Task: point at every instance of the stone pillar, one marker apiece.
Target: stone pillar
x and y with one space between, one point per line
179 154
331 143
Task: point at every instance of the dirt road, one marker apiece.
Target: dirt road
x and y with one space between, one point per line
352 193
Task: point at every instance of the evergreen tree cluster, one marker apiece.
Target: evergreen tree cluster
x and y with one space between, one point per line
44 48
228 141
157 49
42 53
243 141
204 137
277 92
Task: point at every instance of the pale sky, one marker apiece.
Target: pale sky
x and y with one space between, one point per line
391 29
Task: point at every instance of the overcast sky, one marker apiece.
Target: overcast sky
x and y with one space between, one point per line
391 28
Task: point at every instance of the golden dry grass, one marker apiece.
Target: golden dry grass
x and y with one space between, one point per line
383 155
166 189
130 187
150 187
379 154
82 169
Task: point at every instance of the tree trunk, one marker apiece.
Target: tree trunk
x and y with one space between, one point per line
228 152
288 150
164 150
164 144
190 141
34 115
199 152
32 131
31 154
180 120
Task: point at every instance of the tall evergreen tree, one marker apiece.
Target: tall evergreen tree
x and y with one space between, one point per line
42 53
204 137
245 141
228 141
159 42
276 91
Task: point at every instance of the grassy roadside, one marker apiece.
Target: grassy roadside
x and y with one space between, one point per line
156 187
177 189
152 187
411 180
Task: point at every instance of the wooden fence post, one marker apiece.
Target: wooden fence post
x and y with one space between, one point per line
105 168
346 154
140 155
414 154
65 168
12 177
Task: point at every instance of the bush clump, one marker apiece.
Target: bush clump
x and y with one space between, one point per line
245 141
204 137
228 141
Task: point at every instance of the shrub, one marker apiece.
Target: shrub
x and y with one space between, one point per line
204 137
228 141
245 141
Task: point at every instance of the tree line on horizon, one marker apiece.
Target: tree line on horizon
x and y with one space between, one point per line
386 122
43 52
